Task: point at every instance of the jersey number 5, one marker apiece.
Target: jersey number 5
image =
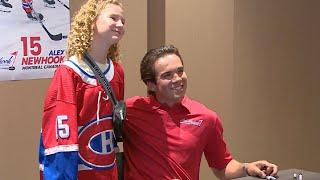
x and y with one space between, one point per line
63 130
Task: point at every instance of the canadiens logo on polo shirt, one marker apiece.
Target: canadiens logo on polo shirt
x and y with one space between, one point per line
191 122
96 144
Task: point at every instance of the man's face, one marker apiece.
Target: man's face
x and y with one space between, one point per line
171 80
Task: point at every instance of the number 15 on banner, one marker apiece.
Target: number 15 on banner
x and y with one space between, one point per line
31 44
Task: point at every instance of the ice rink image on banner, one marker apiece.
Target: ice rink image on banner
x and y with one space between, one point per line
40 44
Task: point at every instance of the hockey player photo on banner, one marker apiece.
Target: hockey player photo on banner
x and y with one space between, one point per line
33 37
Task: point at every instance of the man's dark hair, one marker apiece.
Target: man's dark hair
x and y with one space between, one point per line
147 70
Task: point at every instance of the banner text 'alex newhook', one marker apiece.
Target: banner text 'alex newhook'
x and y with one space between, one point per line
42 60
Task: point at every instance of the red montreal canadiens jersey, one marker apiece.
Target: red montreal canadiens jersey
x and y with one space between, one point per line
77 140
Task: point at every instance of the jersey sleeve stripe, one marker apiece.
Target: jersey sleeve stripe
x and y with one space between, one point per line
62 148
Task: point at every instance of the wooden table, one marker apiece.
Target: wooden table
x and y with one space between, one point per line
288 175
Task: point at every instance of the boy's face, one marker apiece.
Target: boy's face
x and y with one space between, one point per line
109 24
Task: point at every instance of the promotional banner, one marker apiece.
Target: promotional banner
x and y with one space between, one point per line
33 37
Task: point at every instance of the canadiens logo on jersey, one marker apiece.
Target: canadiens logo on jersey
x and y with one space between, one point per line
96 144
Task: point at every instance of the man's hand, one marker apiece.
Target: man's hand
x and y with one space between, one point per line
261 169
